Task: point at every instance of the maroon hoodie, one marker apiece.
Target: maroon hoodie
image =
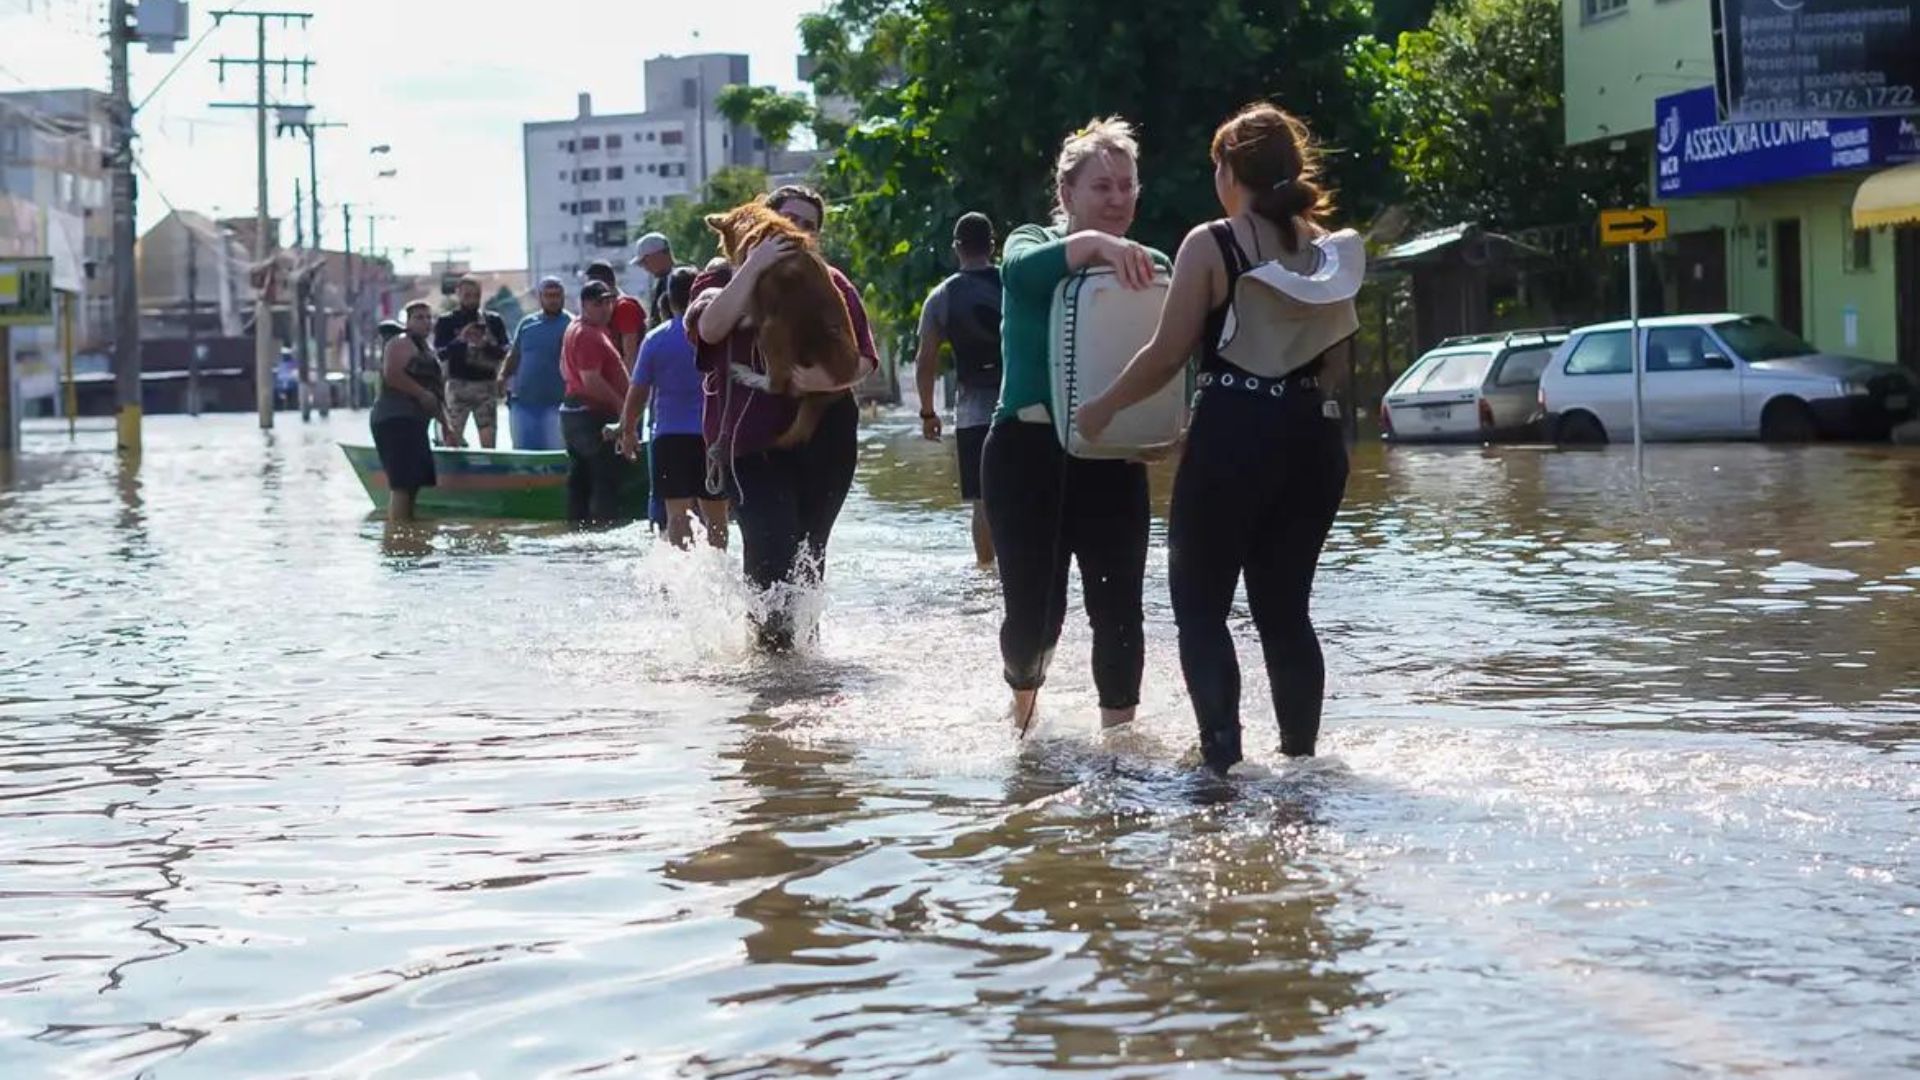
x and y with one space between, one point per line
735 415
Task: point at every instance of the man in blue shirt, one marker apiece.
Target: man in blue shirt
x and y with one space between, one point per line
531 375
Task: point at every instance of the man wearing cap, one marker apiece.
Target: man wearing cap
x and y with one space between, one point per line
531 378
596 389
655 255
629 321
964 311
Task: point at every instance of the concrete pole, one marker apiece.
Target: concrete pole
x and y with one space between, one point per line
126 296
263 358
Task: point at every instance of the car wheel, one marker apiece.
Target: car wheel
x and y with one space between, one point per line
1787 421
1579 429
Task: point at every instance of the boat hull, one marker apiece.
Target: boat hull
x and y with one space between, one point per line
528 485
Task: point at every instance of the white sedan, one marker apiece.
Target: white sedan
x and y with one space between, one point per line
1717 377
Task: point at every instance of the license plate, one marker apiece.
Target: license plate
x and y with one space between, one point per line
1438 412
1897 403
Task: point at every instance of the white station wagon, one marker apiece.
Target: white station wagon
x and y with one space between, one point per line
1478 388
1717 377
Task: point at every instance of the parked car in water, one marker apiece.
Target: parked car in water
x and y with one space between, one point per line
1480 388
1717 377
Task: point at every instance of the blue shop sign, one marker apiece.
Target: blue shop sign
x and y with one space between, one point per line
1697 154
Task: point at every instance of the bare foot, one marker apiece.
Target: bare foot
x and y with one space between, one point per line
1113 718
1025 703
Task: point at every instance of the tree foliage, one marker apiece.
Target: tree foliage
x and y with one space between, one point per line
771 114
963 104
1475 103
683 221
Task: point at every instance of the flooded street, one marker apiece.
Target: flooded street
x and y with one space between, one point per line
1614 783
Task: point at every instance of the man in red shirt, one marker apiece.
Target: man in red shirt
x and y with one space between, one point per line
596 389
629 322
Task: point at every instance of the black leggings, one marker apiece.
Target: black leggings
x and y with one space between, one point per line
1257 491
786 502
1045 508
594 467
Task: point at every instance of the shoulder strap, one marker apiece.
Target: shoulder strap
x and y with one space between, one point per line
1236 259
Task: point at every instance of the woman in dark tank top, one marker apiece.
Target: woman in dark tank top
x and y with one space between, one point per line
1265 465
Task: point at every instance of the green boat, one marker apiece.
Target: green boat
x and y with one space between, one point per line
528 485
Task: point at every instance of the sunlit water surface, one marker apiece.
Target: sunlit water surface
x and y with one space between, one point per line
1613 784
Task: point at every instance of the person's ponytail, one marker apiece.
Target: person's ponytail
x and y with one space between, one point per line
1271 153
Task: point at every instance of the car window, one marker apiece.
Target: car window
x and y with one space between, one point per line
1522 367
1460 371
1679 348
1414 375
1604 353
1756 339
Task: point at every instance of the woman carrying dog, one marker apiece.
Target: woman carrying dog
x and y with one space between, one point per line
1044 507
785 499
1265 464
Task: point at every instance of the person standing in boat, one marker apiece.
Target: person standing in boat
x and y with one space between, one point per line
590 365
530 380
1045 508
413 395
1265 465
964 312
472 342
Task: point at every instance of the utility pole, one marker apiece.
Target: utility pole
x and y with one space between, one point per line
316 297
126 299
193 324
262 314
353 311
299 308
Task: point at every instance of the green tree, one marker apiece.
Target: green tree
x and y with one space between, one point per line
683 221
1475 103
771 114
963 103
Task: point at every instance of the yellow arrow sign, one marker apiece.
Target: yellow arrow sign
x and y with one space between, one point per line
1632 226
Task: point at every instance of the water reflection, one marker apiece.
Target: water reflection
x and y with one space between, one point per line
1619 780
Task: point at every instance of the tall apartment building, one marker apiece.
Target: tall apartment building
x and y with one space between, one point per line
590 178
53 146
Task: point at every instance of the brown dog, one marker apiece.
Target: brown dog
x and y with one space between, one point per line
800 315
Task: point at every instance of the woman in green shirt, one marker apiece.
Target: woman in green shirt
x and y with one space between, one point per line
1044 507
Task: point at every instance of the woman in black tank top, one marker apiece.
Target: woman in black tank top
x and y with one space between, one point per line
1265 465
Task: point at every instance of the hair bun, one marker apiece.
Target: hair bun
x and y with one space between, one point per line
1293 197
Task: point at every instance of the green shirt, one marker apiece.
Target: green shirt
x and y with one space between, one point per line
1031 268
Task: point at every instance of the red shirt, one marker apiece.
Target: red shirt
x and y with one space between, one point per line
589 348
628 318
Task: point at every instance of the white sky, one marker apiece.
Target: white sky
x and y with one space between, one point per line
446 83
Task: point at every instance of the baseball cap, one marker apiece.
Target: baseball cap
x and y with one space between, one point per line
551 282
596 290
651 244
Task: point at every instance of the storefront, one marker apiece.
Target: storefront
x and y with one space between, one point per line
1763 222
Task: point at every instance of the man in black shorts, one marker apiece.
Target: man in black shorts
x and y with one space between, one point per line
665 375
964 312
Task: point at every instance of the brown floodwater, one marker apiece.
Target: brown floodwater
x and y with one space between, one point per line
1618 779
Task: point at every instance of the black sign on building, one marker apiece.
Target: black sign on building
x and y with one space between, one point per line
1801 59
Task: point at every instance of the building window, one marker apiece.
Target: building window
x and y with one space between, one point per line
616 172
689 93
616 205
653 136
1856 255
564 174
566 145
566 208
591 142
1595 10
613 142
588 176
590 206
672 138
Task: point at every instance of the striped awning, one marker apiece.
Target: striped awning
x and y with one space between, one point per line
1888 198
